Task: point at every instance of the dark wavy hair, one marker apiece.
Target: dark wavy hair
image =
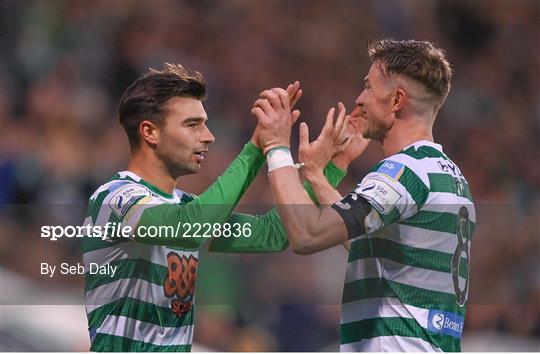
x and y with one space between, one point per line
146 98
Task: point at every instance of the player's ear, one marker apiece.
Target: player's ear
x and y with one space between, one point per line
399 99
149 132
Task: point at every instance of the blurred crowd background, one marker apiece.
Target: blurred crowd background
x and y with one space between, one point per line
65 64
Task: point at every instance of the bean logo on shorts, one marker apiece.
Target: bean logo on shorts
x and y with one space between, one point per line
180 282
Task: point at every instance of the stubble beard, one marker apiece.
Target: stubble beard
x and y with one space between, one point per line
178 168
375 132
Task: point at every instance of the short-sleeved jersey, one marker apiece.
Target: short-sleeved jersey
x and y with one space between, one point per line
147 304
407 277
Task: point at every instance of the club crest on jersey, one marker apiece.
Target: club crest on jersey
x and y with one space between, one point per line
179 283
125 197
392 169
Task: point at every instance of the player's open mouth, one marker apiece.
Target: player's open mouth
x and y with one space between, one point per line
200 155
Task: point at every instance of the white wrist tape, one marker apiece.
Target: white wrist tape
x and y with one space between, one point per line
279 157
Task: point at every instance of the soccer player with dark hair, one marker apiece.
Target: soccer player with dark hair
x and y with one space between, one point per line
147 304
409 221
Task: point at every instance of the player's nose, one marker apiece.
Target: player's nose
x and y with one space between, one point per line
207 136
360 99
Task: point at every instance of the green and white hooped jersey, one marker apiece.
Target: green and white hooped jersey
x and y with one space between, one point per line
147 305
407 278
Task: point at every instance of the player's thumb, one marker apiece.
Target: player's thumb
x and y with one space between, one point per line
304 136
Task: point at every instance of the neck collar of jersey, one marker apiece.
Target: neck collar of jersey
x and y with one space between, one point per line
420 143
138 179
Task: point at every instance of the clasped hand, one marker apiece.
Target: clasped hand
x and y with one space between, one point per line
273 111
340 138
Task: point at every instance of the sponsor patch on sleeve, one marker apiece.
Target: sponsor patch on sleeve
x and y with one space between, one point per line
392 169
379 194
125 197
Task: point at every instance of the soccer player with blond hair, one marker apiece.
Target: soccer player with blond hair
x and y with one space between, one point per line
410 220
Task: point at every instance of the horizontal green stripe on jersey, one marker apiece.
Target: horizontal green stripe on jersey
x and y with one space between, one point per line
445 183
129 269
412 256
409 295
436 221
138 310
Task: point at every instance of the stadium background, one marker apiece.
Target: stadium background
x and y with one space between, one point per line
64 66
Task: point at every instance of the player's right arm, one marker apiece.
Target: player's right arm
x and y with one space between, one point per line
393 191
384 197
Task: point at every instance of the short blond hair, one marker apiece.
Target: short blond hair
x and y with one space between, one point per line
420 61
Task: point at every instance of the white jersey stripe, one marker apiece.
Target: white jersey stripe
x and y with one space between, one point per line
416 237
425 239
400 273
450 203
146 332
130 287
381 307
390 344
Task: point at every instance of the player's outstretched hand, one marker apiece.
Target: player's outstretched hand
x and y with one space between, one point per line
273 112
357 145
332 140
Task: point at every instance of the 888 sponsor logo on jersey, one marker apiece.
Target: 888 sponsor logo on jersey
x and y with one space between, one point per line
179 283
